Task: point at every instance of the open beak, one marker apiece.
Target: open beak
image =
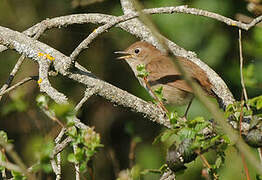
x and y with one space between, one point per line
126 55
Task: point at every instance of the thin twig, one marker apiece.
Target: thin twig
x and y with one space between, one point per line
179 9
77 167
57 165
59 147
52 116
55 169
88 93
25 80
205 162
58 156
58 159
64 21
12 75
160 103
241 68
60 135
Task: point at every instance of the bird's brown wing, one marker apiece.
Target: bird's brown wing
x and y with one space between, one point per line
167 73
162 70
197 74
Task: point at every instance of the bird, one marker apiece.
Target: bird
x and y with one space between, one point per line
162 72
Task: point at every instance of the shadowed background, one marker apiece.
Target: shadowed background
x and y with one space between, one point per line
215 43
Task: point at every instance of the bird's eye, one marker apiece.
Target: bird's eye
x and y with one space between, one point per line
137 50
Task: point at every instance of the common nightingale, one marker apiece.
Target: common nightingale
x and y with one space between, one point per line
163 72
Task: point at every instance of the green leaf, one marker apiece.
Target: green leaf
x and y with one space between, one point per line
70 120
142 72
197 120
259 103
72 158
83 167
159 93
256 102
135 172
79 154
17 176
42 100
229 110
186 133
173 117
226 139
72 131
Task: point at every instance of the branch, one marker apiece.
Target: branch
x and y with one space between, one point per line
57 165
59 147
135 28
41 28
25 80
77 166
220 88
88 93
12 75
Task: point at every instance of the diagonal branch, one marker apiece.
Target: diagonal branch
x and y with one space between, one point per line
25 80
41 28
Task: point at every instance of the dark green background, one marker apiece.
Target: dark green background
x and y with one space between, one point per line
214 42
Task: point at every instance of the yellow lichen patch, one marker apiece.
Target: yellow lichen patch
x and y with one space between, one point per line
94 30
233 24
40 54
48 56
51 58
39 80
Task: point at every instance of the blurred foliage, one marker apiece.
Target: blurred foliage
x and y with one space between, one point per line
38 149
33 132
18 104
4 141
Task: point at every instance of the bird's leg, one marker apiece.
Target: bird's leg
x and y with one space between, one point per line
187 109
160 103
